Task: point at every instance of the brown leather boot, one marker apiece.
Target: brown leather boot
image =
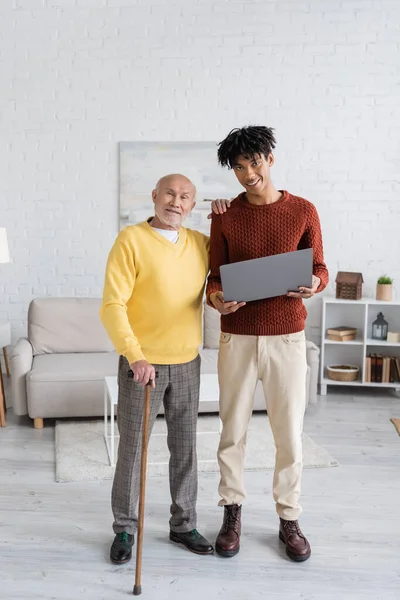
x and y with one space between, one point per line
228 540
297 546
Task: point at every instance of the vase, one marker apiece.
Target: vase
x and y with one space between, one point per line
384 291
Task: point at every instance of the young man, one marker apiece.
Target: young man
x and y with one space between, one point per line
264 339
152 311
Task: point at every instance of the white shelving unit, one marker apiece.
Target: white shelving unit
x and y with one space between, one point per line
361 314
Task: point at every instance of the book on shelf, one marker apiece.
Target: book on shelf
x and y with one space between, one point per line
341 331
367 377
397 368
378 368
341 338
382 369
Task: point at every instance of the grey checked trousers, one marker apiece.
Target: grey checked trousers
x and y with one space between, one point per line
177 386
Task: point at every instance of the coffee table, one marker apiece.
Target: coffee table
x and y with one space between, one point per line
111 401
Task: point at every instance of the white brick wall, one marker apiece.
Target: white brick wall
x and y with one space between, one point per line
77 76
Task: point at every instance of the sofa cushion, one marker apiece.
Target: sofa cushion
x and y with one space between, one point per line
64 368
63 325
69 385
212 327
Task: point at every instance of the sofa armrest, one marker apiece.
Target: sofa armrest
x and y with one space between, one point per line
20 363
312 352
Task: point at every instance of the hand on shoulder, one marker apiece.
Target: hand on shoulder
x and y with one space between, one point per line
220 206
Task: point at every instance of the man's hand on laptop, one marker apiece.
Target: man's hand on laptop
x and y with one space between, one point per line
143 372
305 292
219 206
224 308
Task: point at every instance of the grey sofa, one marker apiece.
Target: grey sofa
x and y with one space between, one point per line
59 369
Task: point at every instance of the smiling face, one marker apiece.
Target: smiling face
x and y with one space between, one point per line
173 201
253 173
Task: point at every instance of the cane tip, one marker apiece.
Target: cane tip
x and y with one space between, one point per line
137 590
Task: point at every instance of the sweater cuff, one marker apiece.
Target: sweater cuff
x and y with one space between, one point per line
134 355
322 284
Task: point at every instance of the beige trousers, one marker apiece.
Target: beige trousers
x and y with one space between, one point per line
279 361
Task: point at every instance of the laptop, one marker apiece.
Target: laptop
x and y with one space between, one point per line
267 277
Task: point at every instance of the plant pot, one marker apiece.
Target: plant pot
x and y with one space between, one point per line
384 291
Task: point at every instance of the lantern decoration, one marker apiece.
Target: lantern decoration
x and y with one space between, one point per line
379 328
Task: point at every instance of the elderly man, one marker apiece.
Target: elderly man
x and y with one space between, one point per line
152 312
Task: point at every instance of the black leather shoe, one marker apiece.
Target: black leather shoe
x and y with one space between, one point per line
121 549
193 541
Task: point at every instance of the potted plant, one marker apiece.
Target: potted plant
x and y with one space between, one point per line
384 288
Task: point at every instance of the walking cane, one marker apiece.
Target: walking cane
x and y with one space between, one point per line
137 588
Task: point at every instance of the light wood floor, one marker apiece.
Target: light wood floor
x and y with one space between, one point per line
54 538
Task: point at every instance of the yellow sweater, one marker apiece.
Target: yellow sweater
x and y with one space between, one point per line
153 294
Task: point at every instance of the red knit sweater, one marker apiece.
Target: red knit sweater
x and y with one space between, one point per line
249 231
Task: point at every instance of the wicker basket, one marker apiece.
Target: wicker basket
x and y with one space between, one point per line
343 372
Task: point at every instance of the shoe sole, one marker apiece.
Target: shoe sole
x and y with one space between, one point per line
178 541
226 553
294 557
121 562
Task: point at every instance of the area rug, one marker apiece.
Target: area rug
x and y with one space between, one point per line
81 453
396 423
